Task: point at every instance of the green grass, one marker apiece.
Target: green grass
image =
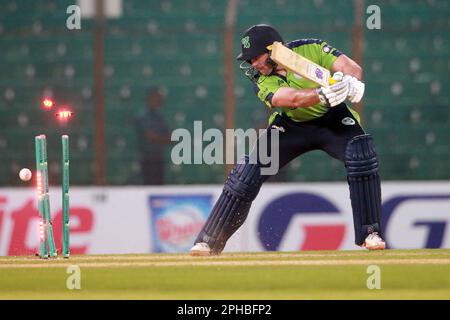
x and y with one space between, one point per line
405 274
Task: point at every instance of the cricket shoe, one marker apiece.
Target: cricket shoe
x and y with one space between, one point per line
374 242
200 249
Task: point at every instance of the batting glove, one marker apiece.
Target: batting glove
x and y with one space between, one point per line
356 91
336 93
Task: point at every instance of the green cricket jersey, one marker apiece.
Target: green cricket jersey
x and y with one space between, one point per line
315 50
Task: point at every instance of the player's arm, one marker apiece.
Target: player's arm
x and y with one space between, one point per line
347 66
295 98
353 74
303 98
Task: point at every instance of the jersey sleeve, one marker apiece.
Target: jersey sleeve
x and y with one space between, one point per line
328 55
316 50
266 88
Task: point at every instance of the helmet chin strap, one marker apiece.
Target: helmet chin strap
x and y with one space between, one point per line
252 73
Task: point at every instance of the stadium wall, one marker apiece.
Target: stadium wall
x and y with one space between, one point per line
285 217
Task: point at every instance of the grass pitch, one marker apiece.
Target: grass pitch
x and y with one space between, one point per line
405 274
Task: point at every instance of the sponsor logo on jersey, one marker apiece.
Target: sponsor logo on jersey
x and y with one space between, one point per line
348 121
326 49
279 128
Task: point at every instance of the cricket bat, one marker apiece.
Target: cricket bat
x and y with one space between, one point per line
298 64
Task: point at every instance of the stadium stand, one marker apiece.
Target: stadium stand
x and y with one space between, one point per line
178 47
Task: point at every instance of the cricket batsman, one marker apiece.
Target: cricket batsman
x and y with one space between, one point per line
309 117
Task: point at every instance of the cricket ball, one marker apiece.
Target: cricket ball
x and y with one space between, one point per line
25 174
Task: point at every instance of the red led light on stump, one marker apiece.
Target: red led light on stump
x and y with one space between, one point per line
64 114
47 103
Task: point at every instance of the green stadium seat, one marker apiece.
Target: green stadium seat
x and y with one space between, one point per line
122 141
178 47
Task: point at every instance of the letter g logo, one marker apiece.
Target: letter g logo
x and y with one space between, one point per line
417 221
277 216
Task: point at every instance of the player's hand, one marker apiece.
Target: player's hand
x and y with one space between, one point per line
356 91
334 94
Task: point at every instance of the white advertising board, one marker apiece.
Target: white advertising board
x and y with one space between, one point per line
284 217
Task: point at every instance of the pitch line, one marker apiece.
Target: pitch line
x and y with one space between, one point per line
228 256
209 263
